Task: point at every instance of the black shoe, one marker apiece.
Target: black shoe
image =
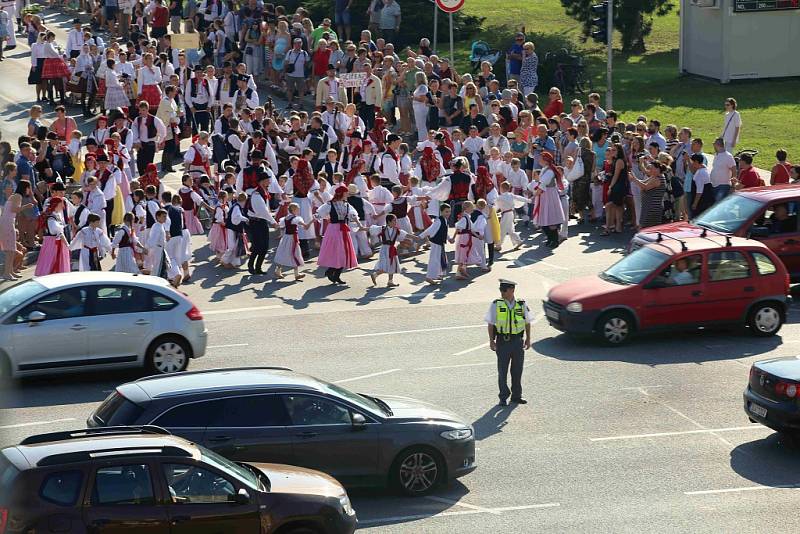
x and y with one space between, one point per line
258 271
503 402
519 401
10 47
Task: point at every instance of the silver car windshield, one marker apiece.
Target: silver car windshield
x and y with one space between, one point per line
634 267
729 214
19 294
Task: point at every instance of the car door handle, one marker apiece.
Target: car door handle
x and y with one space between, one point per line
78 327
219 439
307 435
181 519
790 242
141 322
697 293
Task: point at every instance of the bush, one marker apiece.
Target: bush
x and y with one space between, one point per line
416 20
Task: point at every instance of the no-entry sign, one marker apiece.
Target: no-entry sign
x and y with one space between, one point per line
450 6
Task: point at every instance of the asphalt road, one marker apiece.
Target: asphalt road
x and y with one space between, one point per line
651 436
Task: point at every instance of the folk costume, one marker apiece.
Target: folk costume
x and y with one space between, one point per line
54 254
93 245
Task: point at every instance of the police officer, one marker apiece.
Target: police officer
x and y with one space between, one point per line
508 319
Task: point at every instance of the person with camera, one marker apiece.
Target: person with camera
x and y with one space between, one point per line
295 67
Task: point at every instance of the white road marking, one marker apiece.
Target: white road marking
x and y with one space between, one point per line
683 415
473 349
416 517
463 505
36 423
454 366
238 310
226 346
744 488
680 433
365 376
639 388
395 332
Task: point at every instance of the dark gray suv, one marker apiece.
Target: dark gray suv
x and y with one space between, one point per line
267 414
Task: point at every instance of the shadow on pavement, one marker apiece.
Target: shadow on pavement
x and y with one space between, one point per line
662 348
770 461
493 421
55 390
380 507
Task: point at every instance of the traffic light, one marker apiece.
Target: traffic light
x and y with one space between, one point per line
600 22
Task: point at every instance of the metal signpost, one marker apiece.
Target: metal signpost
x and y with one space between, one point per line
449 7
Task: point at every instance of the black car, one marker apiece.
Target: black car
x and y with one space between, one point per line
143 480
276 415
772 396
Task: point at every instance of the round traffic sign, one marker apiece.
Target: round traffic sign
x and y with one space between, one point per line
450 6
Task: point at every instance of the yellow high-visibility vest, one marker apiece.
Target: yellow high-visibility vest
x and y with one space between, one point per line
510 322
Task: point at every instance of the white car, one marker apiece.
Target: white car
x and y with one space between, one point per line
97 320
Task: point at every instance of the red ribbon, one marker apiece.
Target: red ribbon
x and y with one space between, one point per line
468 244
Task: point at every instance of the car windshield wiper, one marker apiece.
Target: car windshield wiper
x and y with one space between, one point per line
615 278
381 404
260 476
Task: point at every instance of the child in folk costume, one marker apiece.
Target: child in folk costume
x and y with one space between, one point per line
469 241
388 260
115 92
505 204
92 243
418 215
152 205
217 236
156 246
496 167
437 234
484 190
89 168
324 195
235 224
429 167
179 246
302 188
400 207
95 200
100 132
190 201
150 177
126 242
549 214
381 198
197 159
365 212
54 254
405 164
288 253
74 149
337 251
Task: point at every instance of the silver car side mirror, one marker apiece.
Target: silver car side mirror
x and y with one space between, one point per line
36 317
359 421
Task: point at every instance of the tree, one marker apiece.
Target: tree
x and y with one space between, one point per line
632 18
416 20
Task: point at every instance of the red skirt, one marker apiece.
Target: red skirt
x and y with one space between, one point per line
152 95
55 67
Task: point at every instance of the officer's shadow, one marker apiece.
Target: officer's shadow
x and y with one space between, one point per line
493 421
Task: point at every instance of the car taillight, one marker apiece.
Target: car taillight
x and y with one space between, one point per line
3 520
784 388
194 314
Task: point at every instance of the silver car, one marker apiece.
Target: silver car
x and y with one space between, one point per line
97 320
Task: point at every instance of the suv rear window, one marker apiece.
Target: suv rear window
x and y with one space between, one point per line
62 488
117 410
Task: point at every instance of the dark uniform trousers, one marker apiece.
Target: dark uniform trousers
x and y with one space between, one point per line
259 243
511 354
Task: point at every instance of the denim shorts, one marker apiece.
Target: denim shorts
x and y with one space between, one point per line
343 17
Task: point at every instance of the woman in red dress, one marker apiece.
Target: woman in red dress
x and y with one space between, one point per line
54 69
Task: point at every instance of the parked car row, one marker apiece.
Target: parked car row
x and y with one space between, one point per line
246 450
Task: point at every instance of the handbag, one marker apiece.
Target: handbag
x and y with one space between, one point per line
577 169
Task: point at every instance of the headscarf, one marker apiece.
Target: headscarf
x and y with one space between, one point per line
150 177
302 178
339 192
378 135
430 165
483 184
547 157
448 141
354 171
52 205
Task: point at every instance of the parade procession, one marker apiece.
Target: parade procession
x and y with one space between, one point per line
314 268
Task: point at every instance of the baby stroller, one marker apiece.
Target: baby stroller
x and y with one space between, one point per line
480 52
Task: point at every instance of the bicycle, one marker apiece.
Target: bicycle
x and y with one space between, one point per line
569 73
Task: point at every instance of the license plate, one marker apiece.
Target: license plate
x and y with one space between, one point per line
758 410
552 314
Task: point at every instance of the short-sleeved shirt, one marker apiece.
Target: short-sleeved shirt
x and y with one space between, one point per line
515 65
491 314
749 178
732 121
721 168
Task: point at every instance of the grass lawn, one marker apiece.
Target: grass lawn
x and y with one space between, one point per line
649 84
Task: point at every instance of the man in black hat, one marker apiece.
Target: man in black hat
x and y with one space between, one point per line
245 97
198 98
508 319
260 218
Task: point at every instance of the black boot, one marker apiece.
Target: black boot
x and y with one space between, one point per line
338 277
258 263
329 274
250 261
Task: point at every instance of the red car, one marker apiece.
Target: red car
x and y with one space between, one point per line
767 214
676 284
